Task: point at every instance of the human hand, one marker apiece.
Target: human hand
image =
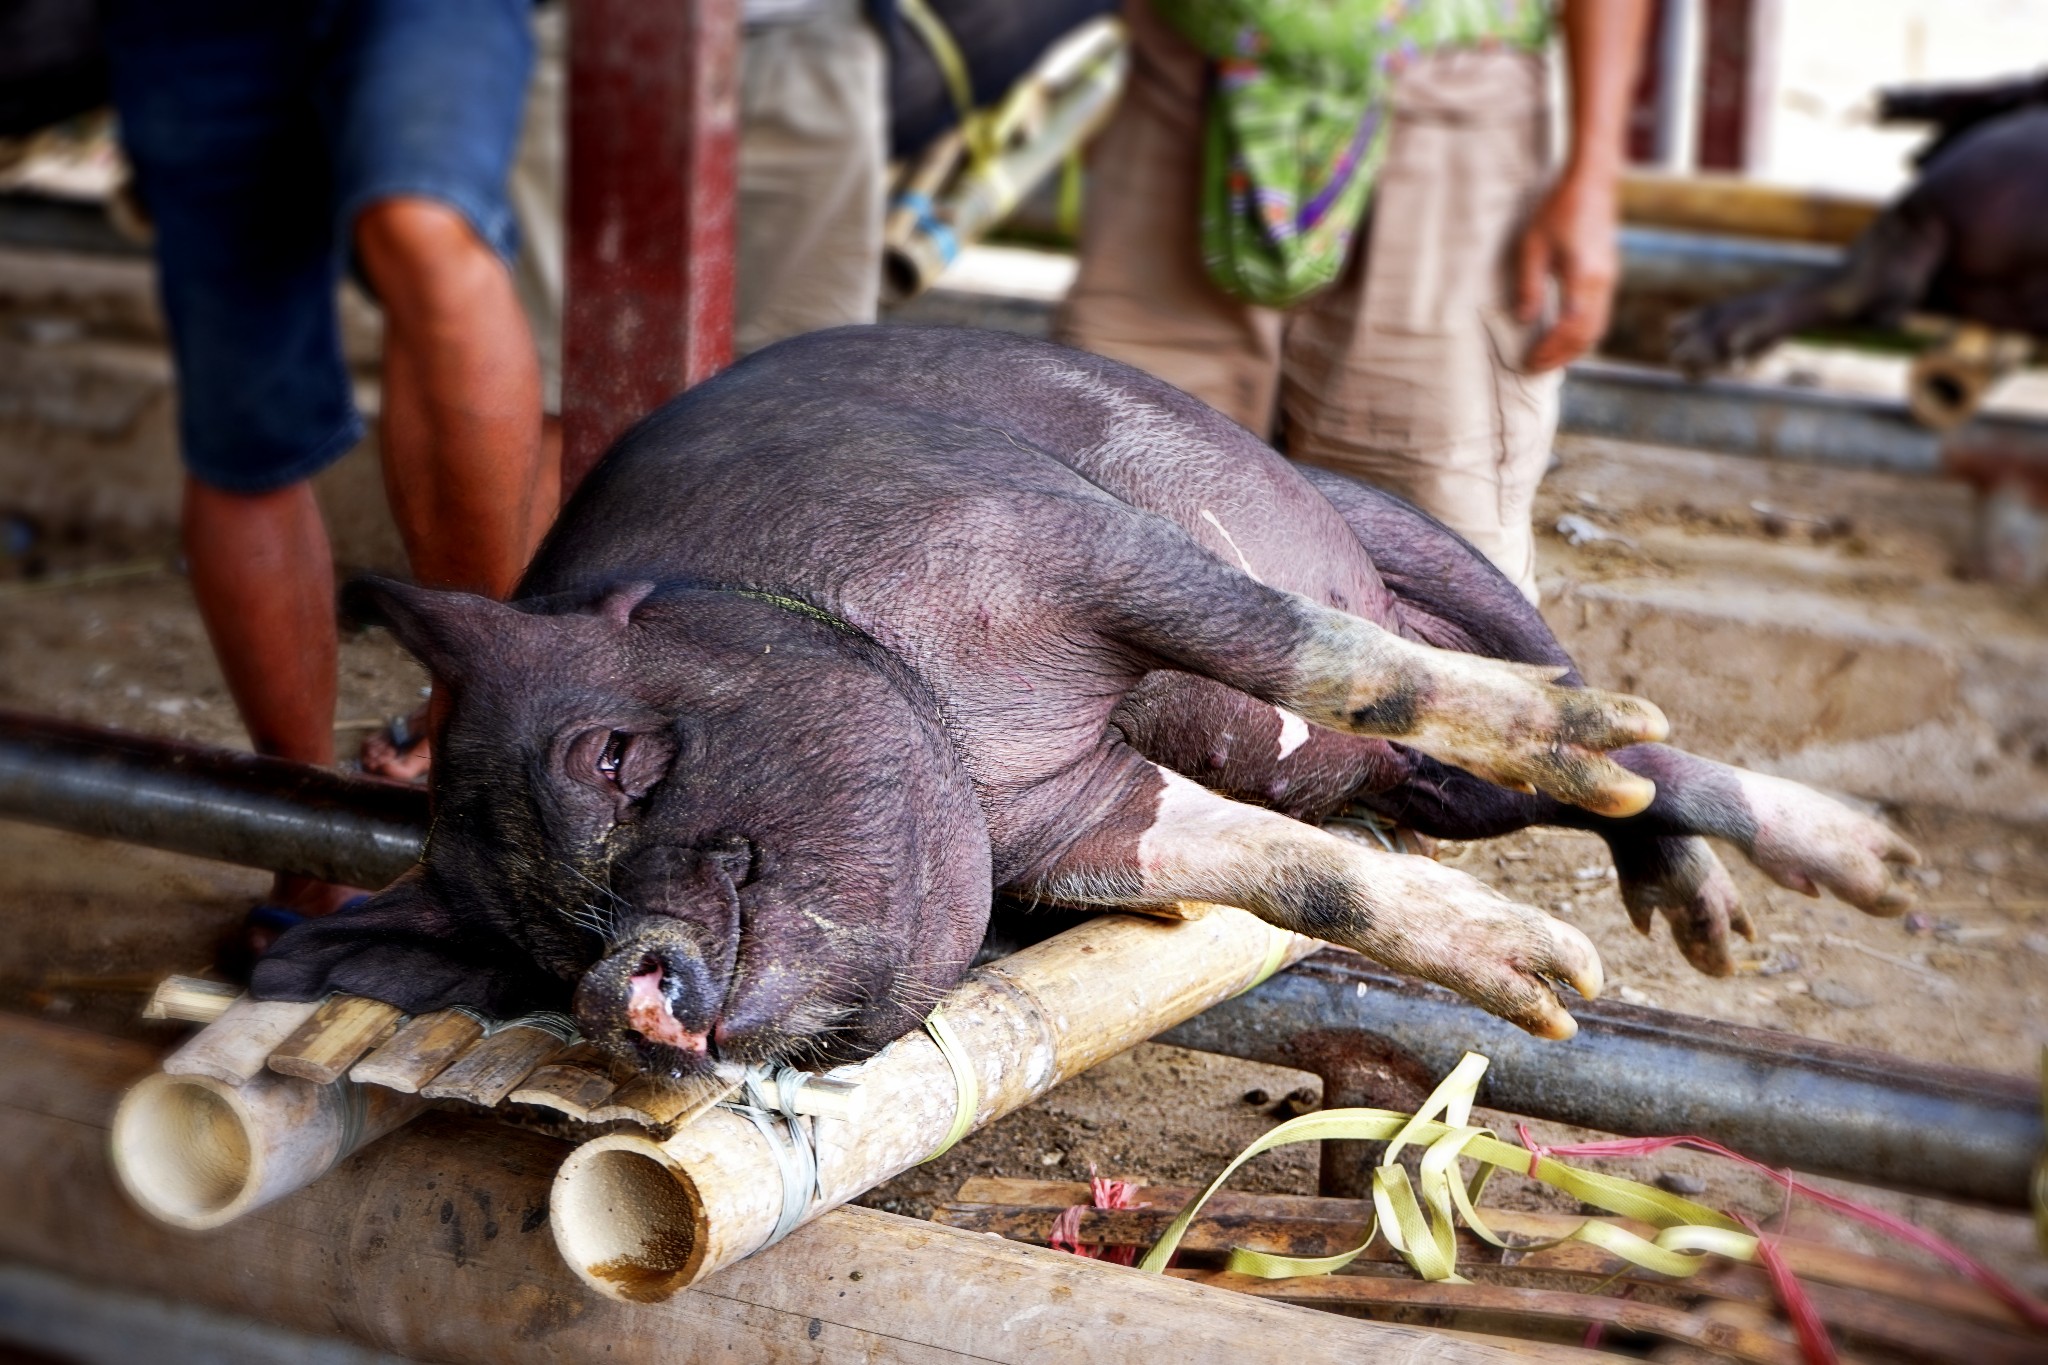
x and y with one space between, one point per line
1572 238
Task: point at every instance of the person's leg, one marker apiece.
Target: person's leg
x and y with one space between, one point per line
215 120
1405 374
263 579
1143 295
814 111
460 428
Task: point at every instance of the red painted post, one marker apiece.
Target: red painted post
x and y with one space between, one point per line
652 170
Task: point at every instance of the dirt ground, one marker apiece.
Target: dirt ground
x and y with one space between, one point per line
100 628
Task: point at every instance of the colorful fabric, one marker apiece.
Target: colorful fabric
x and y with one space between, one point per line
1297 119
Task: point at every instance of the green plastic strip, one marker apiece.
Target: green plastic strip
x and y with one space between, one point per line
966 1089
1422 1224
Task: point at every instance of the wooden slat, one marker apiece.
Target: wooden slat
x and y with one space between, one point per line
492 1068
1714 1333
323 1048
235 1047
573 1084
191 999
419 1051
663 1106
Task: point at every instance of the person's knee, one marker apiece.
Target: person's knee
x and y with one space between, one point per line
422 256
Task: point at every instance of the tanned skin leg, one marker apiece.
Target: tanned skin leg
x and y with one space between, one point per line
465 466
263 579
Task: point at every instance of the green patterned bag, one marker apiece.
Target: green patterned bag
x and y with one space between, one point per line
1296 125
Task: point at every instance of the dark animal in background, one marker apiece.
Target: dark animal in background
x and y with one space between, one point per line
1968 240
883 619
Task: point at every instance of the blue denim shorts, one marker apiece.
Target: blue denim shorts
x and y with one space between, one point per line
259 130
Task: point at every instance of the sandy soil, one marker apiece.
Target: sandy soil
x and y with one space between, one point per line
104 631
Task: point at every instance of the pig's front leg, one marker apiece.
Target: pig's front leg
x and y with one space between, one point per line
1173 840
1506 722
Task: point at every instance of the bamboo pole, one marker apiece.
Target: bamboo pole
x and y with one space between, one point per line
640 1219
198 1152
430 1245
1743 208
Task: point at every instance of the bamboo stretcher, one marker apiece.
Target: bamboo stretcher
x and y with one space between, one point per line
269 1096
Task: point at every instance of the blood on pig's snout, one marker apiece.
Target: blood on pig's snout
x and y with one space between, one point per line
648 1013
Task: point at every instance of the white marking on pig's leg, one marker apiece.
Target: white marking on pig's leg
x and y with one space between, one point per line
1410 913
1293 731
1810 842
1506 722
1231 541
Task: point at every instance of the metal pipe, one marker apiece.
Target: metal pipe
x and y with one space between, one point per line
1780 1098
212 803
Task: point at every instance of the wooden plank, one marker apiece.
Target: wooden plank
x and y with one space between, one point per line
190 999
1713 1333
234 1048
1743 208
1321 1226
661 1105
574 1084
490 1070
342 1029
419 1051
432 1244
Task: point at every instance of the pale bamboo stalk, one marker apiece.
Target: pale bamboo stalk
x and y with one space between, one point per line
198 1152
190 999
235 1047
323 1048
662 1105
419 1051
640 1219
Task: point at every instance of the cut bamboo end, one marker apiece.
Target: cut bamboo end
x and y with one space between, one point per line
198 1152
190 999
628 1219
340 1031
573 1084
640 1220
662 1105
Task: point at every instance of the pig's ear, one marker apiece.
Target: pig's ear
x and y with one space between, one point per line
447 631
402 946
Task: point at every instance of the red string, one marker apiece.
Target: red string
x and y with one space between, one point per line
2029 1309
1103 1193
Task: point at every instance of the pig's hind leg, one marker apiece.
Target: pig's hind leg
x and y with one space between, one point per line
1448 594
1179 608
1166 839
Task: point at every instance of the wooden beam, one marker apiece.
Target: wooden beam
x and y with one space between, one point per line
652 175
433 1244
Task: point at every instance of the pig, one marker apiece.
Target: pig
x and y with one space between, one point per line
1969 238
882 620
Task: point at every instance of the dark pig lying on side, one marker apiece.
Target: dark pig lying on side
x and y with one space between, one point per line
883 619
1968 239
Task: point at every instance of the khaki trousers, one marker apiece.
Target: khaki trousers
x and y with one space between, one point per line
813 170
1405 371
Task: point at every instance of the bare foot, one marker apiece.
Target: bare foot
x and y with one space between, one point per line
400 751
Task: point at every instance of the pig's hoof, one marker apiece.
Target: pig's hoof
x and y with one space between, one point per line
1697 899
1502 955
1510 725
1809 843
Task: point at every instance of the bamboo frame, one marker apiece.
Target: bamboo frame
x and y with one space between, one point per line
640 1219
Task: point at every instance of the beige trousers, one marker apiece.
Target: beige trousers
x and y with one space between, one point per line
1405 371
813 173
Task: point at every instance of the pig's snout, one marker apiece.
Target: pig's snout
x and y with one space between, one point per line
655 991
